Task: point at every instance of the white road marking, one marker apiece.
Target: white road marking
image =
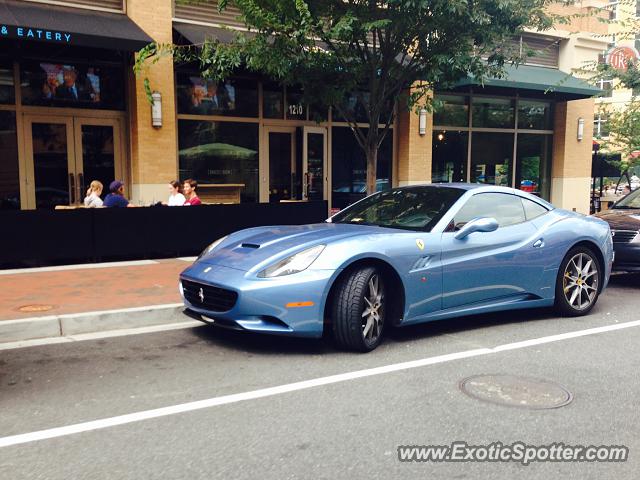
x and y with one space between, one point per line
296 386
82 266
98 335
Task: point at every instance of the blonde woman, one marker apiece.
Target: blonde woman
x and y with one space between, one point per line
93 200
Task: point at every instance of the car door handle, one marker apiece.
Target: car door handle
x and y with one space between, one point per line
539 243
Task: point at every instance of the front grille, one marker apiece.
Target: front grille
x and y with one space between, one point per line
624 236
216 299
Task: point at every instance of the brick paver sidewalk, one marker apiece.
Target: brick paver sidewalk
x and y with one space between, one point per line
39 293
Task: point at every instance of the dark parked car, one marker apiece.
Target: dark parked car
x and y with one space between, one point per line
624 220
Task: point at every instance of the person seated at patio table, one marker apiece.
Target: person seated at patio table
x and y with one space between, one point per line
189 188
176 199
116 197
93 200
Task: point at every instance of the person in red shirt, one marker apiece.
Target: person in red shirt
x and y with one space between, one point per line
189 189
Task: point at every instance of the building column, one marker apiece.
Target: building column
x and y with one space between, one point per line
414 150
571 161
153 150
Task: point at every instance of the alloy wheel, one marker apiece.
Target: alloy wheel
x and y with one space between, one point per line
372 316
580 281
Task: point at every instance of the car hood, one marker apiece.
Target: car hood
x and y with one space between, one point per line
621 219
245 249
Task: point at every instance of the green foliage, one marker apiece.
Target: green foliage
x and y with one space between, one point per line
624 135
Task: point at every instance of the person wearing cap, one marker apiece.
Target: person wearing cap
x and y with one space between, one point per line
116 197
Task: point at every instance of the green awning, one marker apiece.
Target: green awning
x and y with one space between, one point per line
540 79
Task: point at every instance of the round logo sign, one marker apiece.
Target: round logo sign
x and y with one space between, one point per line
619 57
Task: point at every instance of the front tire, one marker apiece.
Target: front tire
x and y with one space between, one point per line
359 310
578 282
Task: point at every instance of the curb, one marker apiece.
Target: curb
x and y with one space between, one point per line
65 325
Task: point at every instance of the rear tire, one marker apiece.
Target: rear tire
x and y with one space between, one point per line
358 310
578 282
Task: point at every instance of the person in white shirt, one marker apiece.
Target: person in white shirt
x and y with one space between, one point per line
176 199
93 200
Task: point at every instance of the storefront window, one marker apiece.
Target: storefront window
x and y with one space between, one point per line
7 89
534 115
349 167
493 112
9 173
491 158
318 113
233 97
449 163
533 164
272 100
72 86
353 107
220 153
453 112
492 151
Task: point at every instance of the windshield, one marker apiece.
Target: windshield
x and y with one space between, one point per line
630 201
410 208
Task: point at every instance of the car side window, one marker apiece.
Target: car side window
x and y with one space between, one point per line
505 208
532 209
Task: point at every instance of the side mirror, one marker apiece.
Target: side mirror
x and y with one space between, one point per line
481 224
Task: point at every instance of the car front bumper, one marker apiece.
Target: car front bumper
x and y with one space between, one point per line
627 257
290 305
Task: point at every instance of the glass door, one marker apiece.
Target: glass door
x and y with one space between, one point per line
283 181
314 162
51 178
98 153
64 154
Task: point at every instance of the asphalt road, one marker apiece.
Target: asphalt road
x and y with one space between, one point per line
344 429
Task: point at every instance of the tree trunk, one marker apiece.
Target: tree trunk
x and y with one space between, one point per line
372 163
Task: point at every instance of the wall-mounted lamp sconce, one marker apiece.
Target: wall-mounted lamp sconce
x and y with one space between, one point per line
422 121
156 110
441 136
580 128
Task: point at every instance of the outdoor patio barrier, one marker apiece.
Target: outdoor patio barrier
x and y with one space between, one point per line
39 237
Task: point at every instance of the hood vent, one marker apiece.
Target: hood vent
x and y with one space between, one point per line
249 245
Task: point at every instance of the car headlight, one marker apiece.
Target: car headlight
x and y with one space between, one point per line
211 247
293 264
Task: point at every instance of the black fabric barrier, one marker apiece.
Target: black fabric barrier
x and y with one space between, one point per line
31 238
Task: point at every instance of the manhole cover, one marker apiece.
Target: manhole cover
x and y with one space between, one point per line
515 391
35 308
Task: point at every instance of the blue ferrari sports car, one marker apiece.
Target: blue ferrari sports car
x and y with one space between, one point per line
400 257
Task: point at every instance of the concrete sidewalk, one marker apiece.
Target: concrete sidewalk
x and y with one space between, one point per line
76 299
